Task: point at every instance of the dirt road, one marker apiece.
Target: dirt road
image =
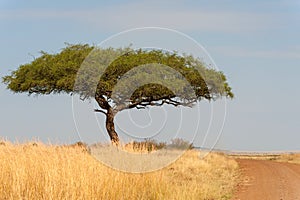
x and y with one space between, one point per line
268 180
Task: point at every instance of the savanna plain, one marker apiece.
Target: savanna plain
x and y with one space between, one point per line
35 170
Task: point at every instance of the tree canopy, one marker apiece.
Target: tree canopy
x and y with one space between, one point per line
162 79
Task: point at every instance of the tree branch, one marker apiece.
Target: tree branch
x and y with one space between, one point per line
102 102
138 107
101 111
143 103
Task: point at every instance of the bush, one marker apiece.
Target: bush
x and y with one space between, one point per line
179 143
148 145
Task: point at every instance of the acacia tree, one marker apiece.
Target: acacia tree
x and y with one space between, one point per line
60 73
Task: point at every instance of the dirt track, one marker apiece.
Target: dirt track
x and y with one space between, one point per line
268 180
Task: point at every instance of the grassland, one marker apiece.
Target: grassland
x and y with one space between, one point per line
280 156
39 171
290 157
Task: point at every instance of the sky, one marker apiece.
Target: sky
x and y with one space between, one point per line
255 43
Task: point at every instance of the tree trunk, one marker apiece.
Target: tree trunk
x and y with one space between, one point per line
110 127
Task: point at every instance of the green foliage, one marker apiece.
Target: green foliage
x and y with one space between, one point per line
58 73
49 73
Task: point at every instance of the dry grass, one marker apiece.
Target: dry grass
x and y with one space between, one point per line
280 157
291 158
38 171
256 156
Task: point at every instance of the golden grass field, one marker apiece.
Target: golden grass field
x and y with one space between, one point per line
291 158
39 171
280 157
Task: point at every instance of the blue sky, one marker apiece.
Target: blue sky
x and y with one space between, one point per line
256 44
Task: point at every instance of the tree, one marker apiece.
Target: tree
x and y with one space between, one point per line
62 73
